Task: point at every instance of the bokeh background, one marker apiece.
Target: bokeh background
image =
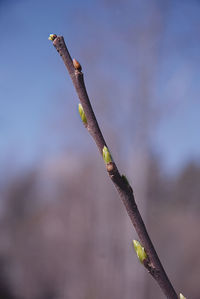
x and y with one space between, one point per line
63 231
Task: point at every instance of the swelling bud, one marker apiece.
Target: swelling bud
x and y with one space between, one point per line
106 155
140 251
52 37
82 114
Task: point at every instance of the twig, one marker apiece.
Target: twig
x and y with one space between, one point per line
152 263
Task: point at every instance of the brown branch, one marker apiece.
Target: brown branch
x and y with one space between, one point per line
152 263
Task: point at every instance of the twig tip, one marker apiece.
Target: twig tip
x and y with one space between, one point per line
52 37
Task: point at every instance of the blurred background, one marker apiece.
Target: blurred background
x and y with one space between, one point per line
63 231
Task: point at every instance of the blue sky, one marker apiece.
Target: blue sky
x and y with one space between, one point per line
38 116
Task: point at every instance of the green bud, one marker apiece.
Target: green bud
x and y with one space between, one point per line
106 155
181 296
52 37
82 114
124 178
140 251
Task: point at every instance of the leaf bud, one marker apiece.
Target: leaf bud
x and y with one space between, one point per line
140 251
106 155
77 65
52 37
82 114
181 296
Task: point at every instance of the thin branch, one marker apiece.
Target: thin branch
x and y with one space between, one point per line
152 263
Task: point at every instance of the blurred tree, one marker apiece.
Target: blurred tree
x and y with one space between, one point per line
187 187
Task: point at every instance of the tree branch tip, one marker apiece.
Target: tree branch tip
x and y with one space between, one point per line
52 37
77 65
